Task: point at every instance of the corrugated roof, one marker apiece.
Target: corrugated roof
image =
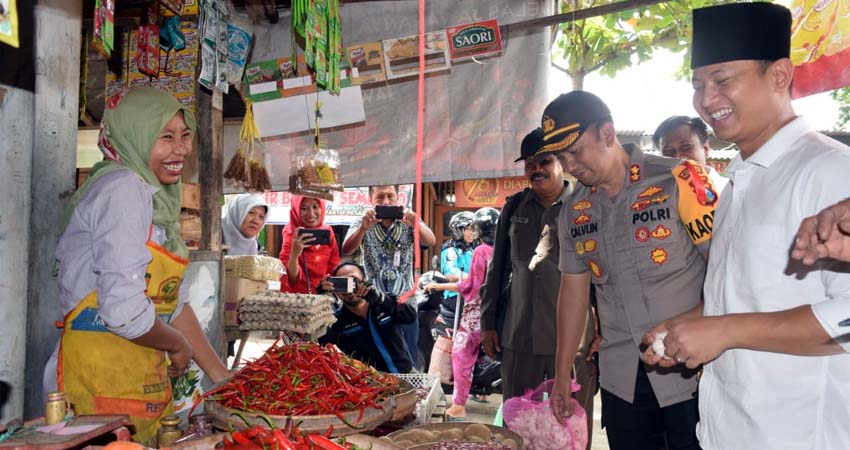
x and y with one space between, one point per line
720 150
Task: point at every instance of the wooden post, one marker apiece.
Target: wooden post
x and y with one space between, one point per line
210 168
211 177
58 25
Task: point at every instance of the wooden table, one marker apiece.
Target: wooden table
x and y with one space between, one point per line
30 438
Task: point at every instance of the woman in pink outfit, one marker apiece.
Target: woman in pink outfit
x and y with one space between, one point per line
467 338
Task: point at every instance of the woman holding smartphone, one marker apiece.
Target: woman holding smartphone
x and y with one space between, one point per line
307 260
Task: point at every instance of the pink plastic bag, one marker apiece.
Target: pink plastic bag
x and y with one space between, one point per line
531 417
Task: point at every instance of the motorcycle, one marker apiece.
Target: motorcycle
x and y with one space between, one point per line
486 375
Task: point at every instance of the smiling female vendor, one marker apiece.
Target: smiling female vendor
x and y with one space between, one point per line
127 324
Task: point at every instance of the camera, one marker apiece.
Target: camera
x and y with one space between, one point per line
343 285
389 212
322 237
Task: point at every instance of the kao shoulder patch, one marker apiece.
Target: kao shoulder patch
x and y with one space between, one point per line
697 200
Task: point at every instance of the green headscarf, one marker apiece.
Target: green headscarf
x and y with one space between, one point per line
132 121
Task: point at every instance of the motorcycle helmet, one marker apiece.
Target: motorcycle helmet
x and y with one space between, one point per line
459 222
484 224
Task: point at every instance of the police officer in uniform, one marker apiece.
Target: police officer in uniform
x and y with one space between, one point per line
638 228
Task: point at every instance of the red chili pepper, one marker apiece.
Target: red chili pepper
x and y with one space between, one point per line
245 441
304 379
324 443
282 442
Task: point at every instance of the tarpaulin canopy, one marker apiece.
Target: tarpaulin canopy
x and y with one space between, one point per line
820 46
476 113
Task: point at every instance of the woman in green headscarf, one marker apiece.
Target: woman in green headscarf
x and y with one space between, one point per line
127 324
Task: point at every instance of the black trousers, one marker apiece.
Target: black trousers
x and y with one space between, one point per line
644 425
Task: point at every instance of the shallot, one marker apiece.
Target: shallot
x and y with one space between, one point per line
658 345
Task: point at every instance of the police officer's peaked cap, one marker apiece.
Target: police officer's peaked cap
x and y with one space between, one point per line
740 31
567 117
530 144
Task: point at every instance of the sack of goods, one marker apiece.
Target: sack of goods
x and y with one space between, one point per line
300 313
255 267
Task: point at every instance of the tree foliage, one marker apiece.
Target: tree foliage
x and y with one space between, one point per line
842 97
611 43
614 42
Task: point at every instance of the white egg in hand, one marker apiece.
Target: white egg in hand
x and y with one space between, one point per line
658 345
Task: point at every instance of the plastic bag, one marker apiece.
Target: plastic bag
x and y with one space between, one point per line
247 168
531 417
317 174
239 32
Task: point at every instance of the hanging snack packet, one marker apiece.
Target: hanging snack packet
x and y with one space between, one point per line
147 56
9 24
247 168
104 26
239 31
320 171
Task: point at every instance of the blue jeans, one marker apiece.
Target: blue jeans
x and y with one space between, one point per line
410 332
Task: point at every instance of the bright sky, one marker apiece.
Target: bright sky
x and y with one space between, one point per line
642 96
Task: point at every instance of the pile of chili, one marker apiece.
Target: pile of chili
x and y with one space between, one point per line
287 438
304 379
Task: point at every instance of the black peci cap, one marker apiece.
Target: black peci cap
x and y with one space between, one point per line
740 31
530 144
567 117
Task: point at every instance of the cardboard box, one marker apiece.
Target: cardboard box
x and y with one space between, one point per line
235 289
367 63
191 196
401 55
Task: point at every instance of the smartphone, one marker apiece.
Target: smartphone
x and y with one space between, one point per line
389 212
343 285
322 237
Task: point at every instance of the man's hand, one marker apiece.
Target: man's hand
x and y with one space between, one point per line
326 285
369 219
689 341
826 235
559 399
490 342
648 356
369 293
594 347
180 359
409 218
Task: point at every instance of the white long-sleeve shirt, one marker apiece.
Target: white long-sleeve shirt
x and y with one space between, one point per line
761 400
104 249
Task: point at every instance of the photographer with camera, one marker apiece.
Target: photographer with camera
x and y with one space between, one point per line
384 236
368 324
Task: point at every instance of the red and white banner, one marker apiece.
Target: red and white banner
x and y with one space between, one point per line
346 207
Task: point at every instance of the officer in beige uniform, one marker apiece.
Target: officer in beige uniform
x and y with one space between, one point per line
526 247
637 228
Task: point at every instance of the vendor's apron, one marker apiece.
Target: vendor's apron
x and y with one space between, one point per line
103 373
